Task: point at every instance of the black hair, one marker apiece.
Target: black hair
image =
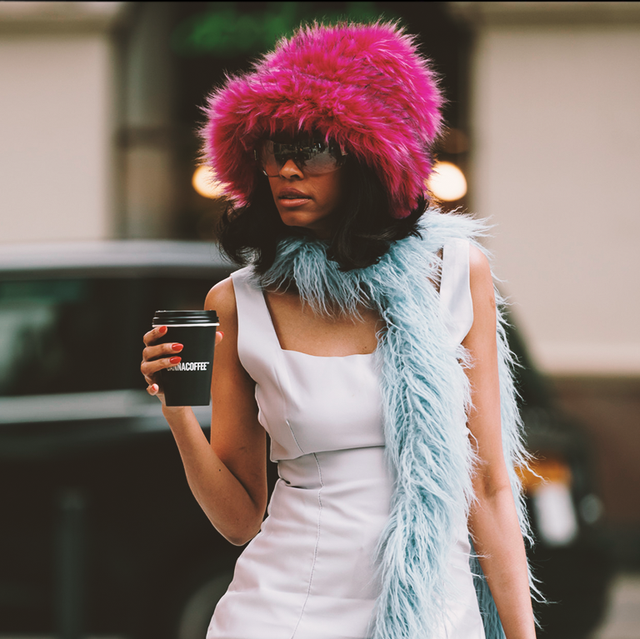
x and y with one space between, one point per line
363 232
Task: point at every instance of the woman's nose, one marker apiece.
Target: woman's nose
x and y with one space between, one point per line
290 169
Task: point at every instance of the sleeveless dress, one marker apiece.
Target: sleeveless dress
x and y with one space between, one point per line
310 571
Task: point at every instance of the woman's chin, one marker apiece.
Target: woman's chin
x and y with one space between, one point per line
320 230
297 218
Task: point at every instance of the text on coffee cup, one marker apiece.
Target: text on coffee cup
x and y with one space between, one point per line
189 366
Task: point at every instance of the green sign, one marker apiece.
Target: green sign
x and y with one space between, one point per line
227 29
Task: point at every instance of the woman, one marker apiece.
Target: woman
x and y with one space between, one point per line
362 337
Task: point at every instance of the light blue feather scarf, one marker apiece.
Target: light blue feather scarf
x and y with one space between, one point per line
425 395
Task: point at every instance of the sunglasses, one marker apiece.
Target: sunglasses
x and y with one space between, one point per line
311 157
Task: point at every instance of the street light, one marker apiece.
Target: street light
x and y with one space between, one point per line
447 182
205 183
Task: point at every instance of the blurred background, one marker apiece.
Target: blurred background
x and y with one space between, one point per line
101 102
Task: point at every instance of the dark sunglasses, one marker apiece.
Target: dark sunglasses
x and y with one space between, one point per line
311 157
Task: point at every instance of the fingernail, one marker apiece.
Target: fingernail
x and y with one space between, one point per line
162 330
221 333
176 347
175 360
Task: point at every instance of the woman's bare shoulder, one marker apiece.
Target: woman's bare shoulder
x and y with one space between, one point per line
222 298
478 261
483 296
480 277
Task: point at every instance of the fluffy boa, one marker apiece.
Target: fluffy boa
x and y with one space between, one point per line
425 395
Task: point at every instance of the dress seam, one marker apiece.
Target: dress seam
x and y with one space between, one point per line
315 551
279 371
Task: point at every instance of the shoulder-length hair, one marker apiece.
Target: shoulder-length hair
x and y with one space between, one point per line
363 232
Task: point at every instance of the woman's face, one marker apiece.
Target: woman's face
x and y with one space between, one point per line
307 200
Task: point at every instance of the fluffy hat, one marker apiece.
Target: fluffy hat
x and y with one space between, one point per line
363 85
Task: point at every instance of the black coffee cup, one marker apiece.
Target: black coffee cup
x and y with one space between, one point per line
189 382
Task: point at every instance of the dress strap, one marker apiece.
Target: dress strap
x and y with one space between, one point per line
455 289
256 333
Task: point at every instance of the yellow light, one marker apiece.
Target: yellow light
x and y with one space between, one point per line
447 182
205 183
544 470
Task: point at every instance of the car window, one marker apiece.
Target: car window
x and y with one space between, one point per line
82 334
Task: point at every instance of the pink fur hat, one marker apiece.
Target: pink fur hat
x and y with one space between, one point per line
363 85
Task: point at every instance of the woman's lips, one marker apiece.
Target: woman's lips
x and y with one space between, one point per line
291 198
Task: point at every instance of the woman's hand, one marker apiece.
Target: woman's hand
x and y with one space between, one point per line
227 475
157 357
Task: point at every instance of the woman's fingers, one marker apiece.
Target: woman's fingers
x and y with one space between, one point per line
161 350
154 390
154 335
156 357
149 367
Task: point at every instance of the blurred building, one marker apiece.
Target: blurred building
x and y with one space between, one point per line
59 107
554 103
87 137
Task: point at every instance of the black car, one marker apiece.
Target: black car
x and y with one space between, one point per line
99 530
571 559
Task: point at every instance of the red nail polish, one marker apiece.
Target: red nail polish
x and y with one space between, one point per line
176 347
175 360
162 330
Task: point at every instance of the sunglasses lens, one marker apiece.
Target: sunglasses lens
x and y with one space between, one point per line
272 157
320 158
313 158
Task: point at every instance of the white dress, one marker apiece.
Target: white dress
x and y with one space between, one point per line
309 573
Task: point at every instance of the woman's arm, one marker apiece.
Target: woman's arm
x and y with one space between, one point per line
228 474
493 519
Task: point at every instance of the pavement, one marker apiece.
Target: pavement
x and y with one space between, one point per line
621 622
623 618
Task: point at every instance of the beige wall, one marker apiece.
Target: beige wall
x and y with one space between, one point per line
56 79
556 163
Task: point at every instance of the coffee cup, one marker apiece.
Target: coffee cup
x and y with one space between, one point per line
189 382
